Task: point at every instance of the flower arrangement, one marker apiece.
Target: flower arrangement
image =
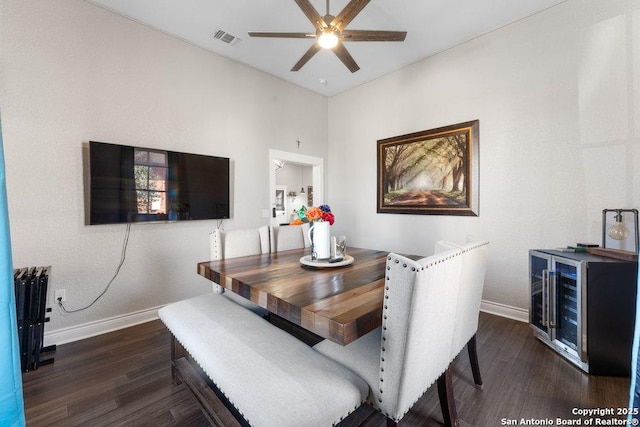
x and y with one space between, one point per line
313 214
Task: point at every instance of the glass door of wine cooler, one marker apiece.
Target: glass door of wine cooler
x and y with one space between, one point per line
539 264
568 305
558 304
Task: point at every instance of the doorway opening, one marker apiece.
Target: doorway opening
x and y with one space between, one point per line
304 173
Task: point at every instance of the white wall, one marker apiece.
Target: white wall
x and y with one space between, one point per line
72 72
556 94
558 99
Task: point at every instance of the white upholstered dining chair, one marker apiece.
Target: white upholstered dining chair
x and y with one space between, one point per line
238 243
287 237
469 299
413 347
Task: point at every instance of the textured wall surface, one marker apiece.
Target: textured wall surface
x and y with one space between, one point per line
558 99
73 72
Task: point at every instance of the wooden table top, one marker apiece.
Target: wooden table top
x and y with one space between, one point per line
338 303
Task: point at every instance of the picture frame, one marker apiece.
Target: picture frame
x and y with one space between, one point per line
309 195
432 172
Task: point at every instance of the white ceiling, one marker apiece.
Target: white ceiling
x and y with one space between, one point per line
432 26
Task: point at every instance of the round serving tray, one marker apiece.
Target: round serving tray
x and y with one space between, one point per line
306 260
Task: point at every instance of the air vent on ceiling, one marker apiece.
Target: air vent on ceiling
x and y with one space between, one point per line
225 37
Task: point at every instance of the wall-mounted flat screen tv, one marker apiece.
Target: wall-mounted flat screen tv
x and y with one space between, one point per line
134 184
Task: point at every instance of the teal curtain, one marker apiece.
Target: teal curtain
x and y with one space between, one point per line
11 403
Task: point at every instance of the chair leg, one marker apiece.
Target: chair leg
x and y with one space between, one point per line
447 402
473 357
177 351
392 423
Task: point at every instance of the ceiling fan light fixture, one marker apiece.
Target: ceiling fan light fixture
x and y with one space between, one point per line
328 39
331 30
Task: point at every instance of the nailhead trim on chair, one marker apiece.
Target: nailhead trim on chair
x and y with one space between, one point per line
216 245
384 328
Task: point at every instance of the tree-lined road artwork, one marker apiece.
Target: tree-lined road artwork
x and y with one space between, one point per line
429 172
422 198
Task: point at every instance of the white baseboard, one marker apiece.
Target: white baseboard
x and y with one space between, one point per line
91 329
504 310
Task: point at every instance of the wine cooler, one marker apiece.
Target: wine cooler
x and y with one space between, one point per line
583 307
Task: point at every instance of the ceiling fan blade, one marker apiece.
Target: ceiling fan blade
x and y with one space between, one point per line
346 58
350 11
307 56
282 35
373 36
311 13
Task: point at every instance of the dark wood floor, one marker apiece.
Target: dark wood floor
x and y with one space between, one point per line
123 378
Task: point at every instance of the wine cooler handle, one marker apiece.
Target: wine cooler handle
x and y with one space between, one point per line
551 308
545 297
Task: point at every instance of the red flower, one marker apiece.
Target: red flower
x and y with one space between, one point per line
328 216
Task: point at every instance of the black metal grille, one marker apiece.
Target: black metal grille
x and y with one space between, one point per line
31 307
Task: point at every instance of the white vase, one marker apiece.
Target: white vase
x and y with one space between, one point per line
319 237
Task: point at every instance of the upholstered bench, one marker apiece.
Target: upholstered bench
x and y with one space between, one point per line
270 377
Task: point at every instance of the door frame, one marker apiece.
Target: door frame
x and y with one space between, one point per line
317 173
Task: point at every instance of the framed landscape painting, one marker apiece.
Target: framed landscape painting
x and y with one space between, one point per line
433 172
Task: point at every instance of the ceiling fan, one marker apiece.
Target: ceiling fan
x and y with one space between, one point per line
330 33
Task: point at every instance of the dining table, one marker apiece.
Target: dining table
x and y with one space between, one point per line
332 300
